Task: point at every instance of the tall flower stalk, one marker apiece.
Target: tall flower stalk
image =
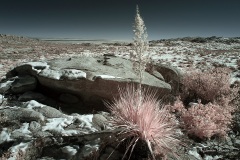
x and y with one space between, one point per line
139 56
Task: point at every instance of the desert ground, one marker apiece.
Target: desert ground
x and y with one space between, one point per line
181 53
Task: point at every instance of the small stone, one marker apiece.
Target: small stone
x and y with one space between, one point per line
42 134
99 121
35 126
229 141
22 114
20 135
237 142
50 112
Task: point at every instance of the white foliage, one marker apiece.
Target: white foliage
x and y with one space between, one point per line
139 56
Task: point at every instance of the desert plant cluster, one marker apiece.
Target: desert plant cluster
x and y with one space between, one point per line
204 108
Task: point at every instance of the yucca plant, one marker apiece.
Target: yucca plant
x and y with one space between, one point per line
138 112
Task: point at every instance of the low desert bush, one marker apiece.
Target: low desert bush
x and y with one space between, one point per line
214 101
142 119
209 86
204 121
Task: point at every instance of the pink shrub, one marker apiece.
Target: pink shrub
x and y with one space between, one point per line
144 121
214 115
204 121
209 86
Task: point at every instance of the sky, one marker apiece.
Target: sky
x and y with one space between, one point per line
113 19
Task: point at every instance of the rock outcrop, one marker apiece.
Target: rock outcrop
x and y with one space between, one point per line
171 76
86 82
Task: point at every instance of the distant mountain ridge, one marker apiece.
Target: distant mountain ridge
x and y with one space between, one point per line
226 40
202 39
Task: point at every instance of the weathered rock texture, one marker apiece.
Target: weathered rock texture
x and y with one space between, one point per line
89 81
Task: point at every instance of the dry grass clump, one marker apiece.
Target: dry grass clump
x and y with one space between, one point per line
142 119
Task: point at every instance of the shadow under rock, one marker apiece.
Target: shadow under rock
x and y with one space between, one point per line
70 102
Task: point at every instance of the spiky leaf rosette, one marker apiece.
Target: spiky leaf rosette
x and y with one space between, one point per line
146 122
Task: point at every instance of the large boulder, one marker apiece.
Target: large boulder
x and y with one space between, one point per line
91 79
170 74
